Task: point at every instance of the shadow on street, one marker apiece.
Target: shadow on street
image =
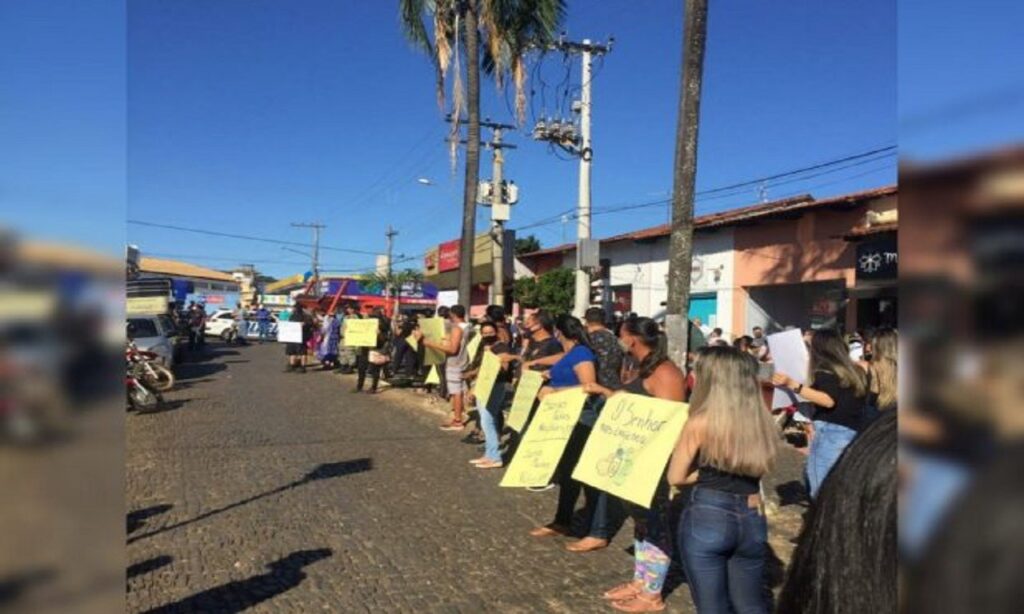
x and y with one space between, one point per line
320 472
283 575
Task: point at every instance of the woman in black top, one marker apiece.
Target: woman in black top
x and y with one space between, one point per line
839 391
296 352
406 360
727 445
658 377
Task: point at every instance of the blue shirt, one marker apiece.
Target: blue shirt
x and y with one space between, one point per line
563 373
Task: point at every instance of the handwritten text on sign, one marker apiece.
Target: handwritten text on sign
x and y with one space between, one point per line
629 447
361 333
537 456
526 391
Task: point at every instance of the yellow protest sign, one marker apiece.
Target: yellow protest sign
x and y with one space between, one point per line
473 345
433 330
630 445
361 333
415 345
490 366
538 454
526 391
432 377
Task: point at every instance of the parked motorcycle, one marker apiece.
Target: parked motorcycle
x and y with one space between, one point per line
141 397
152 373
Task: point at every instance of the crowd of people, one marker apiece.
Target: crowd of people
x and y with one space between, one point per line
730 440
729 443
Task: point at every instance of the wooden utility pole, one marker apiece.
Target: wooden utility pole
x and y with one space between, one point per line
388 273
695 21
315 255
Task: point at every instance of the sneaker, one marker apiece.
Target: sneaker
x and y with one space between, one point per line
540 488
472 438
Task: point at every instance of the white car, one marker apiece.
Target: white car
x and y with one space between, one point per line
154 334
220 324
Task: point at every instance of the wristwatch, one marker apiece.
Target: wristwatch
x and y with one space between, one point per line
798 388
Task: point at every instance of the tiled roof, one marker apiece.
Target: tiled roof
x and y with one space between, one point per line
181 269
735 216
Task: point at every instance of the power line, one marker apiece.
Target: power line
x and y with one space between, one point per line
228 235
859 159
798 171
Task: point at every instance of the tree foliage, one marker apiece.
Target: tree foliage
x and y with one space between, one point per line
553 291
527 244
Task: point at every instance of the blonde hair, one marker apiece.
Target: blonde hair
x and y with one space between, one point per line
885 365
740 436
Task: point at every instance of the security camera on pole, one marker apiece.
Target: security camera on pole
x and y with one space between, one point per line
565 136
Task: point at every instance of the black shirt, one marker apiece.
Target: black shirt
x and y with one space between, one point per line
542 349
848 406
609 358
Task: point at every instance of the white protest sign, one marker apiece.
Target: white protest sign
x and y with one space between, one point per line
789 353
289 332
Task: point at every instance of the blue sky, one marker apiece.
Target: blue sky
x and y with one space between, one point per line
243 116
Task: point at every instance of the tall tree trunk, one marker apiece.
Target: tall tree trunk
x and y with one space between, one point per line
467 245
695 19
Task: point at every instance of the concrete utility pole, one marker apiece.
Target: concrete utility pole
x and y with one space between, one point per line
499 206
583 207
390 235
680 261
316 251
497 222
565 136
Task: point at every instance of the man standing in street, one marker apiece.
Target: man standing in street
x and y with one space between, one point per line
263 321
241 324
454 347
606 347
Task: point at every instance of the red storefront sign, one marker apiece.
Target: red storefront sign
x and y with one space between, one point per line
448 256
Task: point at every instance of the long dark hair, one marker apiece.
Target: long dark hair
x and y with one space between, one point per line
846 557
572 329
649 334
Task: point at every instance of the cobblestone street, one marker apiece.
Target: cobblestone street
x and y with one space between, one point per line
286 493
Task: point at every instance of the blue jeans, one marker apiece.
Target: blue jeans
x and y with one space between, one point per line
264 329
934 485
828 444
723 543
491 423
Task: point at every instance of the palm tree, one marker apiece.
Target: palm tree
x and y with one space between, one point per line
505 30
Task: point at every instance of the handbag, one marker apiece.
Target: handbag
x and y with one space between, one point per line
378 358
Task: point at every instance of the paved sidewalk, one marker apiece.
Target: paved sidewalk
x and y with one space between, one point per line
286 493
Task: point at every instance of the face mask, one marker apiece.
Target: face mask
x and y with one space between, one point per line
488 339
625 346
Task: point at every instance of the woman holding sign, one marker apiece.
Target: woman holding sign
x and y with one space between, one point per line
577 367
658 377
490 409
729 442
839 390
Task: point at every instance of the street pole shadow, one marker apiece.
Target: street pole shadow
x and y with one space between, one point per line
320 472
283 575
148 566
137 519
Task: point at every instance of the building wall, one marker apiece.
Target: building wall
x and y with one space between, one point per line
644 266
789 254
